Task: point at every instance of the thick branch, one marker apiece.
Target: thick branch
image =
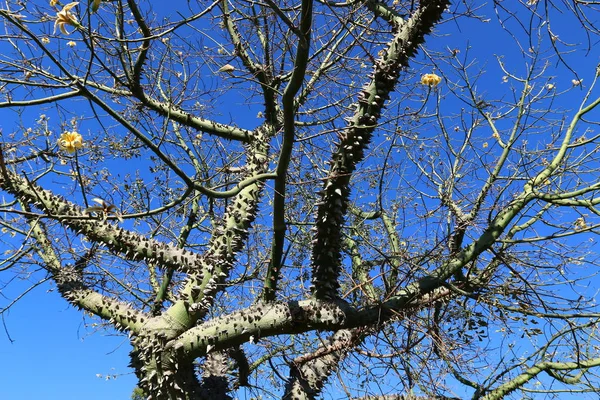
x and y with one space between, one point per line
228 237
289 114
132 246
69 280
280 318
309 373
544 366
326 256
187 119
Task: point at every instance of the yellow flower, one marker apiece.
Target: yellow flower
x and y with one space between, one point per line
71 44
70 141
65 17
45 40
430 79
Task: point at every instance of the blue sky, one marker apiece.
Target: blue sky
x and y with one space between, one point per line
53 356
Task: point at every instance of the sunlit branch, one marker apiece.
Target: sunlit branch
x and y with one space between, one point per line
528 223
131 245
549 367
385 11
333 54
360 272
506 150
263 73
72 287
186 229
276 318
44 100
227 238
559 157
135 78
568 198
354 140
184 233
240 47
187 119
289 136
293 28
148 142
395 247
308 373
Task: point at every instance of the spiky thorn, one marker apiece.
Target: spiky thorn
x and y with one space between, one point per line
326 251
227 238
308 373
215 382
129 245
71 286
164 377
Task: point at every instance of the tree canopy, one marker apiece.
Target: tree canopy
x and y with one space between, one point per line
361 199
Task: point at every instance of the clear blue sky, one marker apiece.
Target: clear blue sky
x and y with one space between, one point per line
54 357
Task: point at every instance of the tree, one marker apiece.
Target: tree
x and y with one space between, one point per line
289 200
138 394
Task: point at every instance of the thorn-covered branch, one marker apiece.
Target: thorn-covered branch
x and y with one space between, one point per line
132 246
354 140
308 373
71 285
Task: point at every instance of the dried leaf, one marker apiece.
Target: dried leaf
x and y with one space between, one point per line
227 68
95 5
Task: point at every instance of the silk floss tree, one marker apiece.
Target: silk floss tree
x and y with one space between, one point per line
309 199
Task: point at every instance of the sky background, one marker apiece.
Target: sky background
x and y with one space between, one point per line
52 354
